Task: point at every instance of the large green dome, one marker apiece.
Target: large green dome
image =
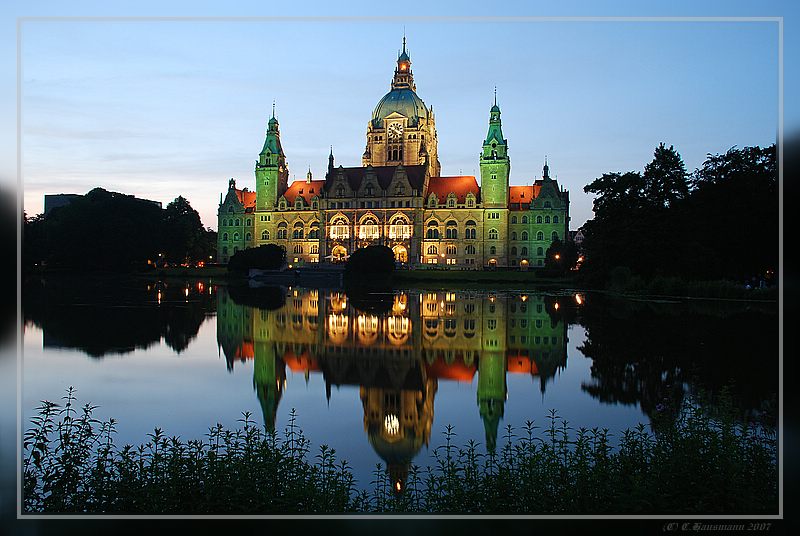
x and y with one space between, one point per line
403 101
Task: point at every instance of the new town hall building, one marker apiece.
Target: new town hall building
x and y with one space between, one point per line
398 198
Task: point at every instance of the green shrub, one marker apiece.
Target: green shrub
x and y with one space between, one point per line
689 462
266 257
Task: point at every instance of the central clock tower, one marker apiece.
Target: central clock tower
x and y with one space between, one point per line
402 129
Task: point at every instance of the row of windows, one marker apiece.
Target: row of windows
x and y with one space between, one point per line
369 204
298 204
539 219
451 202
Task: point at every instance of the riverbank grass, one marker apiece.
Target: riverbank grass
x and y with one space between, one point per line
688 463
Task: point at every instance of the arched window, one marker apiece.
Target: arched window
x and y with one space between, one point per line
432 201
451 230
230 210
298 203
547 204
297 232
340 228
469 250
399 228
315 204
225 237
470 200
523 251
493 234
264 235
451 201
540 236
554 236
513 219
369 229
282 231
314 250
238 221
433 250
538 219
313 234
432 233
298 249
224 250
524 219
555 219
513 250
224 222
248 237
249 222
514 235
282 205
547 219
492 250
471 233
539 251
235 236
451 250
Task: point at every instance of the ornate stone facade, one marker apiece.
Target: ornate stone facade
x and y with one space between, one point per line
398 198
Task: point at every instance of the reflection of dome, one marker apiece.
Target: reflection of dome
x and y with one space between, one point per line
403 101
399 451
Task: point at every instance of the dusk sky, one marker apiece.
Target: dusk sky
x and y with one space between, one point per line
161 108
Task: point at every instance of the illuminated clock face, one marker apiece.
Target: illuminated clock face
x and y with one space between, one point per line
395 131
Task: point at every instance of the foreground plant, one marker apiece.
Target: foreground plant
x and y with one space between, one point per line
688 462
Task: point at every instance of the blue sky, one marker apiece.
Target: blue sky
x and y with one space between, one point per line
160 108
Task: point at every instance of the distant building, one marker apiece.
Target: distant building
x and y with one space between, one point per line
398 198
52 201
577 238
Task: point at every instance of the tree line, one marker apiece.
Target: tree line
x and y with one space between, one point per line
718 222
109 230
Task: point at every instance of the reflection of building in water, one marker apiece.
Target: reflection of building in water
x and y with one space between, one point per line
398 357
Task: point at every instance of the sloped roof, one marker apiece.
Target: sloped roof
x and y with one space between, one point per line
246 197
460 185
520 197
304 189
355 175
457 370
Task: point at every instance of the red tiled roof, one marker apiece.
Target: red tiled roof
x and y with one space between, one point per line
520 197
246 198
457 370
460 185
300 363
521 363
245 350
303 189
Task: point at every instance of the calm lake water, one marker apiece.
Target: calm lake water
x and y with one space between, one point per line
378 377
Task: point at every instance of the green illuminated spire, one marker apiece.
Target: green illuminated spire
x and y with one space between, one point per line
495 164
272 174
491 394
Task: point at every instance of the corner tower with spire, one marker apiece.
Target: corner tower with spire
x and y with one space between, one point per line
272 174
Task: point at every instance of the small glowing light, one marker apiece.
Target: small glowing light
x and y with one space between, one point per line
558 256
556 306
159 297
524 297
391 424
578 299
398 486
290 266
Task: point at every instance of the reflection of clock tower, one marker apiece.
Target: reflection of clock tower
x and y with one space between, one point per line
402 129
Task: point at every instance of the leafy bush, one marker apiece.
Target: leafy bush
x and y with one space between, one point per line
689 463
266 257
377 260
